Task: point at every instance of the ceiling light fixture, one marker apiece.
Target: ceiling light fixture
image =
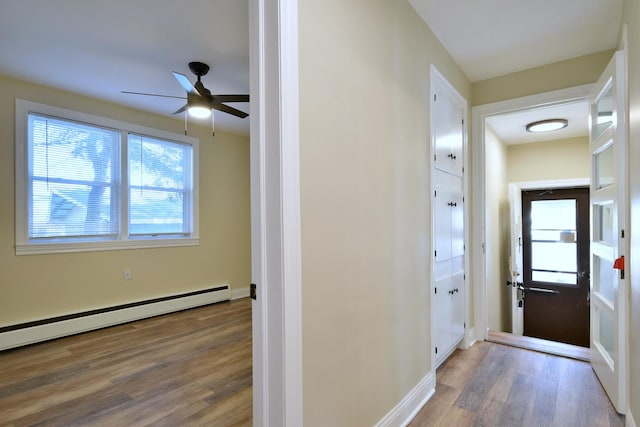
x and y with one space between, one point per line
547 125
199 111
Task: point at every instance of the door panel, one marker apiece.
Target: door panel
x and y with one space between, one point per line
556 265
608 209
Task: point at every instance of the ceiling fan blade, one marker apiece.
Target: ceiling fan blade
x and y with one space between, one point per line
227 109
181 109
152 94
231 98
185 83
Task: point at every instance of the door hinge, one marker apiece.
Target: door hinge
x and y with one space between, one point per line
436 290
435 253
436 350
464 325
434 97
252 291
622 234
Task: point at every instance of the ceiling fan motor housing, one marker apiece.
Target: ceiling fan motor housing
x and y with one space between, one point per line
198 68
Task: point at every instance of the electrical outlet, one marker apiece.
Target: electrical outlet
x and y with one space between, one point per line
127 274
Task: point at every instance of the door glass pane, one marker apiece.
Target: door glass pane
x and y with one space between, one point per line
604 167
606 329
552 277
606 278
554 256
605 223
604 109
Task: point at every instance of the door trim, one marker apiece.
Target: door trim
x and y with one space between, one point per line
275 213
479 114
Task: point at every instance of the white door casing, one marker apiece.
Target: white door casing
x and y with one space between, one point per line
607 137
275 214
478 180
515 260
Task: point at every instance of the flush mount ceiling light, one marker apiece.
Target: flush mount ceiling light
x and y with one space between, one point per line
547 125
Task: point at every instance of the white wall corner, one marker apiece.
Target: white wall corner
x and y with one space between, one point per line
239 293
630 421
410 405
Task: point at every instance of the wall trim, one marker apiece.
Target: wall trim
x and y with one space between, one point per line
410 405
239 293
60 326
629 420
469 339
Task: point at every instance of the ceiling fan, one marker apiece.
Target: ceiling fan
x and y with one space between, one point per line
200 101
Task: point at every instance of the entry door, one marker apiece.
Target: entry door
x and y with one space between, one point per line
556 264
608 208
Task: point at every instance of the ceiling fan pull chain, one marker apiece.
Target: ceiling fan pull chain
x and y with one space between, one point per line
185 122
213 124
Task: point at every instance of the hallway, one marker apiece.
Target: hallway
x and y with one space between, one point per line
495 385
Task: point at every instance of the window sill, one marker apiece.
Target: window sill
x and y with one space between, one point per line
54 248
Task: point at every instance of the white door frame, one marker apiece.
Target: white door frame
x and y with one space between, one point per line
275 213
479 114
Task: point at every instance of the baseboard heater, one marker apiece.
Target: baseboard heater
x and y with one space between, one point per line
55 327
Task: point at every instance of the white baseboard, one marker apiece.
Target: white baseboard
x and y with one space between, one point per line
469 339
409 406
239 293
56 329
630 422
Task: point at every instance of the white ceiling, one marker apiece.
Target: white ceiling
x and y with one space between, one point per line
511 128
100 48
490 38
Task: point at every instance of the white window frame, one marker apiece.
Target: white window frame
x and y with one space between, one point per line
26 247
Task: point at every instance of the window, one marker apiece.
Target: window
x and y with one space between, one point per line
87 183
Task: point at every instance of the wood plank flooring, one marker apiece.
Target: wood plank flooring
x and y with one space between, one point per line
496 385
194 368
187 368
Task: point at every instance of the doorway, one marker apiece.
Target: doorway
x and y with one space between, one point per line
493 177
555 249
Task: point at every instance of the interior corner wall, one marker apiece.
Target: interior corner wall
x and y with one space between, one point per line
559 75
549 160
365 205
34 287
497 231
631 16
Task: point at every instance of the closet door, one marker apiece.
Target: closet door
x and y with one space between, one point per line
448 220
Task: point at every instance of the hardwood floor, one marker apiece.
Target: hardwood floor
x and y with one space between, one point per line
194 368
496 385
187 368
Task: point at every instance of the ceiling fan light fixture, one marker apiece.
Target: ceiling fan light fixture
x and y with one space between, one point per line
547 125
199 112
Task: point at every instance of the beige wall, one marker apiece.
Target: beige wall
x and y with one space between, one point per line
631 15
558 159
546 78
497 232
39 286
364 162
